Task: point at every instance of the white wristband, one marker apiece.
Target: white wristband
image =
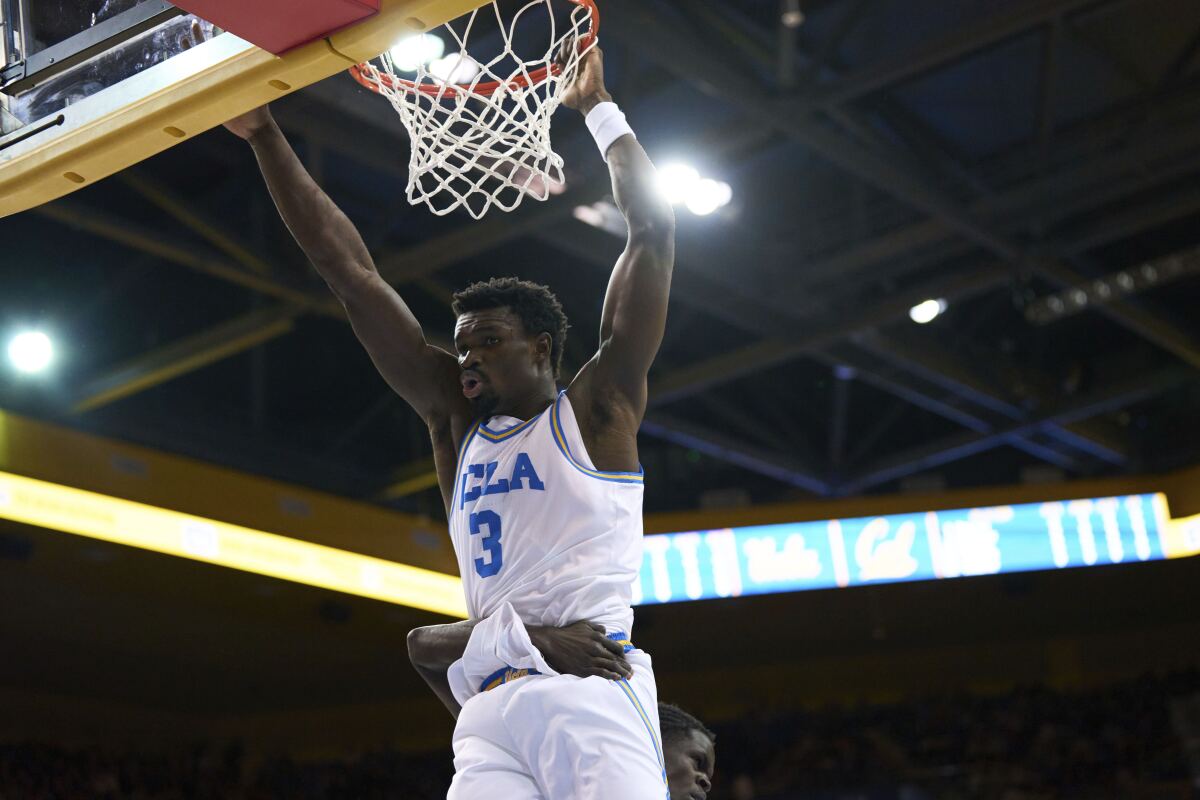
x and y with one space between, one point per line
607 123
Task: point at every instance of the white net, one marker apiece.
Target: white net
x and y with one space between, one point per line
480 126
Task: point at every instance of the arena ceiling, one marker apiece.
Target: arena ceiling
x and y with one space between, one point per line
996 155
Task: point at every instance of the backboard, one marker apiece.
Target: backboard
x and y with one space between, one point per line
88 93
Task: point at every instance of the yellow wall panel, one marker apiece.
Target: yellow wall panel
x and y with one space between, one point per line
63 456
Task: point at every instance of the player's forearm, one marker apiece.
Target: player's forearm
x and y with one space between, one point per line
635 306
649 216
432 650
439 682
436 647
324 233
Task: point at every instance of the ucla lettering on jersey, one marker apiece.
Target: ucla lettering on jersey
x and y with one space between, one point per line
534 523
523 476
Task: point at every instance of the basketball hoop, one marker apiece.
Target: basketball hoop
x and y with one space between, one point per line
483 140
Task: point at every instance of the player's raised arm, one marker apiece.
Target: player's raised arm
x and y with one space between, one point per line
635 307
424 375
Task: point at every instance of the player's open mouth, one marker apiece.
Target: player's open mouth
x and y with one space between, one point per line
472 385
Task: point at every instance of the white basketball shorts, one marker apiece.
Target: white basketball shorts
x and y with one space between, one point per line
562 738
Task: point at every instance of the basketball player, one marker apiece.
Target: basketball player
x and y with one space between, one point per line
543 489
689 748
690 751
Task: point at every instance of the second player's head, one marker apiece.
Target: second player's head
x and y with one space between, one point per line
689 750
510 336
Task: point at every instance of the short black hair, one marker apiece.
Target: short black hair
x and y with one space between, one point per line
535 305
674 721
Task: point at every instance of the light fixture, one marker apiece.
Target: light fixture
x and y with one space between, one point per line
791 16
707 196
31 352
927 311
412 52
1110 287
677 182
681 184
454 68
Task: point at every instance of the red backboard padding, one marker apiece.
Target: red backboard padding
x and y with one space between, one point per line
280 25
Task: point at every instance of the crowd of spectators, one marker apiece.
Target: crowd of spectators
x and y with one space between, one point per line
44 772
1025 744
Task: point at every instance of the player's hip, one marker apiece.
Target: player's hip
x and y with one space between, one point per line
512 696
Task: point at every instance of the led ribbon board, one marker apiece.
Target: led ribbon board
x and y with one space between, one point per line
912 547
98 516
676 566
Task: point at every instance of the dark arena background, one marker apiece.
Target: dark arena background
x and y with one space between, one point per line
924 430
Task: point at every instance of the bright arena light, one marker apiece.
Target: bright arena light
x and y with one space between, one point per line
677 182
454 68
413 51
31 351
927 311
707 196
791 16
682 185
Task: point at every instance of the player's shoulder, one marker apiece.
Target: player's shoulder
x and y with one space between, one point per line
449 430
599 407
594 385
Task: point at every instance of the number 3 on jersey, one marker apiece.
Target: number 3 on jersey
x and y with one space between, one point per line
489 564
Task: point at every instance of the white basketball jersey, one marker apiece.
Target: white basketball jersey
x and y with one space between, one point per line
535 524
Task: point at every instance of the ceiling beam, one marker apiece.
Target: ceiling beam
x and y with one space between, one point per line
1091 182
770 352
963 445
733 450
187 355
1126 67
1048 80
936 363
826 53
174 251
691 286
947 49
906 388
196 221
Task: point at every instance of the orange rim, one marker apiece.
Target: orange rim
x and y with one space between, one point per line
360 72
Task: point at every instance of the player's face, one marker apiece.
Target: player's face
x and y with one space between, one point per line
500 361
690 761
